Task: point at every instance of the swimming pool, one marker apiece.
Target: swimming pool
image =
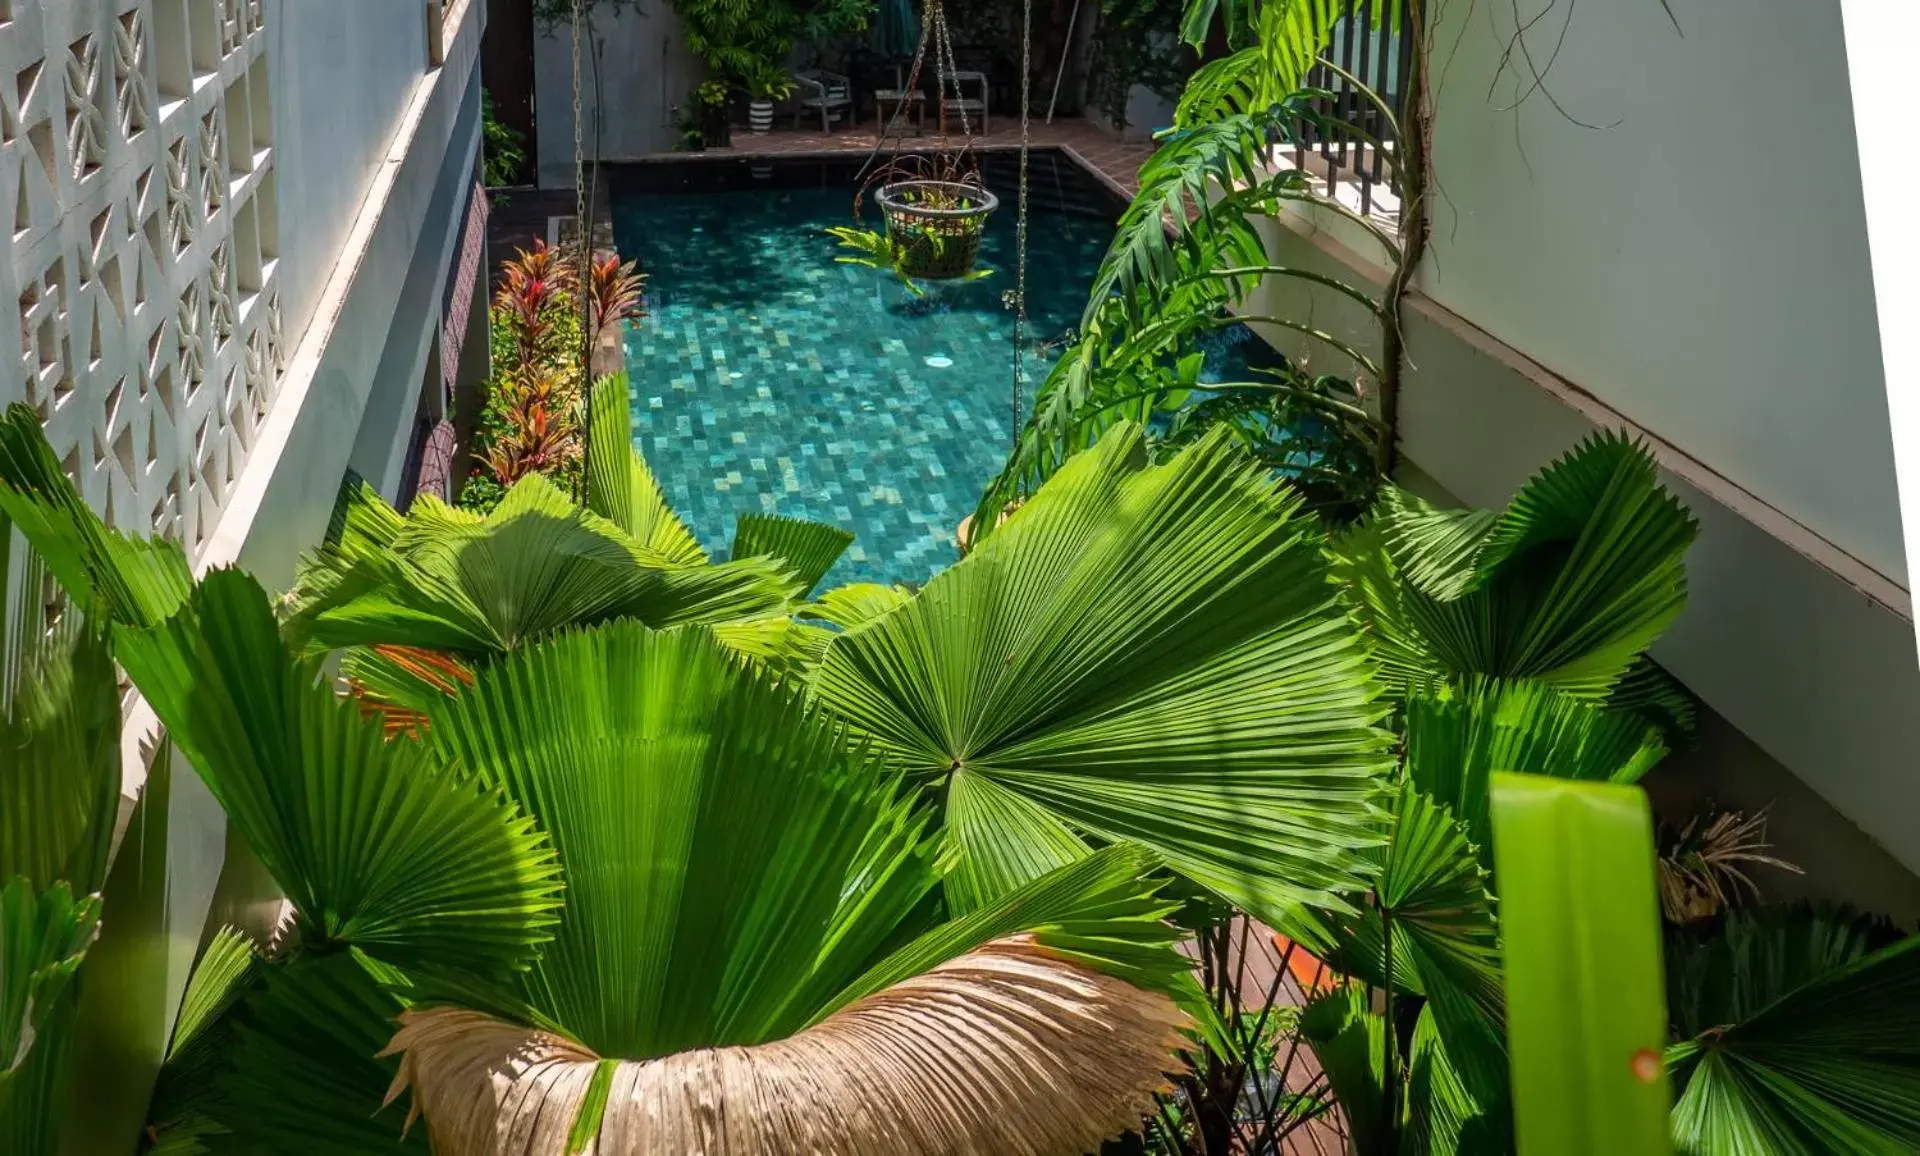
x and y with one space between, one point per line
769 377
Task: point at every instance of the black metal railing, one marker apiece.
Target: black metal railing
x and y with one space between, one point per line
1352 143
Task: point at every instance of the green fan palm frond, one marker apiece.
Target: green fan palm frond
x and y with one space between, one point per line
44 934
375 845
301 1076
621 489
1796 1034
450 581
1435 1116
60 772
1146 653
784 907
807 549
1456 739
119 578
1569 585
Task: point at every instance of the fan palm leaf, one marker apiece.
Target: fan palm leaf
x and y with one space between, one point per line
806 549
1796 1030
897 1073
1144 653
374 844
1457 738
122 579
620 487
787 881
453 581
44 934
1568 585
59 753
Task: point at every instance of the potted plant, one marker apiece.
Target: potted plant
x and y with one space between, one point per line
706 116
766 85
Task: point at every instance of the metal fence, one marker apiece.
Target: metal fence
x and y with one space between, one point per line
1354 145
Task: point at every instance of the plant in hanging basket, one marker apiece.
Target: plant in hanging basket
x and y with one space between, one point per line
935 211
935 226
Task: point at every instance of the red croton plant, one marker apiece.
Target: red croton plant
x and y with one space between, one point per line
532 419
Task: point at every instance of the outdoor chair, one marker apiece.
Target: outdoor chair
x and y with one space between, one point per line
827 93
967 102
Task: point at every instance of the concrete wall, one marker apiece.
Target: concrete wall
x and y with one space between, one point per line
648 73
1799 647
1675 223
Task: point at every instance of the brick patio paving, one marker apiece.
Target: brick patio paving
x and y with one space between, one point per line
1117 162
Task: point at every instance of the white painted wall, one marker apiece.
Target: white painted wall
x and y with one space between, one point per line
1698 260
648 73
1879 36
344 71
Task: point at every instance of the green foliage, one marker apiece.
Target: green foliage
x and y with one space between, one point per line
1568 585
887 253
1142 652
374 846
746 43
1137 42
1160 288
506 147
1583 985
1796 1032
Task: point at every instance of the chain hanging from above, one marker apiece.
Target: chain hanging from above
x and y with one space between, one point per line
583 238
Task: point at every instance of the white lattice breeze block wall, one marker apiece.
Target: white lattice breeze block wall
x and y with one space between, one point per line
136 155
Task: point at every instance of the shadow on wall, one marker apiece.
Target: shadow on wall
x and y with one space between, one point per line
647 72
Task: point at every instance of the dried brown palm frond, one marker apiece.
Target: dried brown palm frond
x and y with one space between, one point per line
1704 865
1004 1050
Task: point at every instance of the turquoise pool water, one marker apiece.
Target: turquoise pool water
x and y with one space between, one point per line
769 377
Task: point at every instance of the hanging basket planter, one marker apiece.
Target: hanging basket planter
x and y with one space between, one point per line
935 227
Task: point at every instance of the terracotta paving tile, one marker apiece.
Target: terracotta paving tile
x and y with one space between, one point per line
1117 161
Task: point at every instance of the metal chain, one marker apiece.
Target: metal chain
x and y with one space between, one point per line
583 235
1020 286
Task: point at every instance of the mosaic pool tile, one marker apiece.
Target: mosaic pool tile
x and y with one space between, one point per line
769 377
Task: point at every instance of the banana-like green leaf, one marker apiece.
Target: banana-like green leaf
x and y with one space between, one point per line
1569 585
537 564
1582 953
301 1077
1797 1035
806 549
621 489
375 844
778 860
136 581
1457 738
44 934
1150 654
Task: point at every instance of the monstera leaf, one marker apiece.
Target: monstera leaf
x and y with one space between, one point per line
1141 653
